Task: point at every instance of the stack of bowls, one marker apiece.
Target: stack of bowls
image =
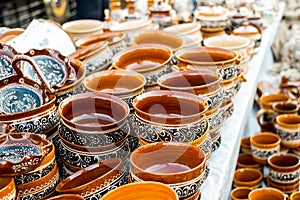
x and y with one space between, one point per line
93 128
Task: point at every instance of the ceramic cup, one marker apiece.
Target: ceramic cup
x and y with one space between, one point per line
151 60
267 193
144 191
285 188
246 160
267 101
95 180
8 189
287 126
284 169
245 145
295 196
240 193
179 165
247 177
263 145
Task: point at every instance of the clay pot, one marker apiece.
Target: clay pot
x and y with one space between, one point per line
246 160
247 177
240 193
245 145
144 191
66 197
287 126
220 60
295 196
284 168
7 189
95 57
95 180
171 40
263 145
179 165
153 61
81 28
121 83
169 116
267 193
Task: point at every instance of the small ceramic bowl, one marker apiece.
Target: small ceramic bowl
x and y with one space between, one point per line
145 191
95 180
151 60
179 165
223 61
247 177
169 116
22 152
169 39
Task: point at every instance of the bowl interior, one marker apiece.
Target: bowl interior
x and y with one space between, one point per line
289 119
284 160
265 138
82 26
247 175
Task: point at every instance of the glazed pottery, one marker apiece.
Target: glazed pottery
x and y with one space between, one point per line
10 34
223 61
6 56
151 60
284 168
240 193
22 152
81 28
245 145
287 126
247 177
117 43
227 109
246 160
95 180
169 116
94 57
66 197
122 83
160 14
267 193
169 39
147 190
295 196
179 165
7 189
249 31
263 145
287 188
267 101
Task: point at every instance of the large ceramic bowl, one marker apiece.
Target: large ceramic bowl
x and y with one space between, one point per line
221 60
179 165
151 60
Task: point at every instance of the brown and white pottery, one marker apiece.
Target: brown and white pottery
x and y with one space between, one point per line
247 177
181 166
8 188
240 193
267 193
245 145
66 197
263 145
246 160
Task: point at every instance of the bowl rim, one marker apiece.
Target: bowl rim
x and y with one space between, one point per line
66 25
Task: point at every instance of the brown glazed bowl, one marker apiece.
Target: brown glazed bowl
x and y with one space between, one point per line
95 180
247 177
151 60
121 83
169 39
205 83
267 193
7 188
93 112
181 166
246 160
240 193
143 191
223 61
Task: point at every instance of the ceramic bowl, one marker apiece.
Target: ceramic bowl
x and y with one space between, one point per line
153 61
143 191
284 188
249 31
223 61
246 160
95 180
173 41
81 28
267 193
22 152
66 197
7 54
169 116
8 189
247 177
240 193
122 83
179 165
95 57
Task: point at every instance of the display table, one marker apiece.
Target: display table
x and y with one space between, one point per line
223 160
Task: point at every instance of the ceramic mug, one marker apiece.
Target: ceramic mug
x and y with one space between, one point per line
240 193
267 101
263 145
287 126
246 160
267 193
245 145
284 168
146 191
247 177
